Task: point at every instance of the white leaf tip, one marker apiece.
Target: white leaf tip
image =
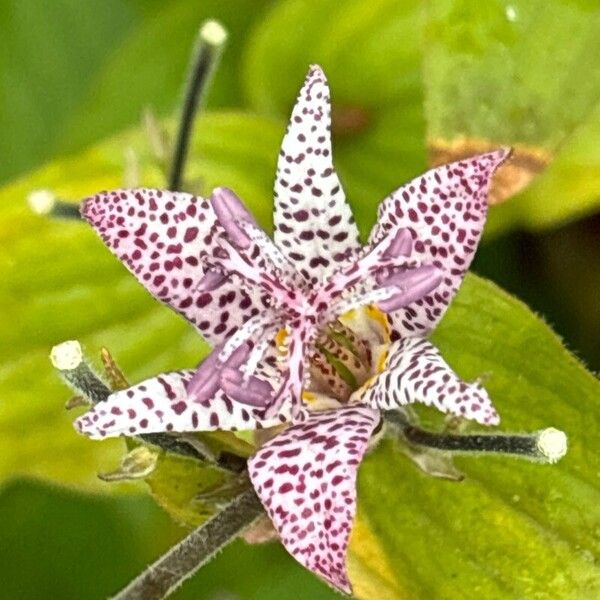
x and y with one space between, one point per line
552 444
213 33
41 202
66 356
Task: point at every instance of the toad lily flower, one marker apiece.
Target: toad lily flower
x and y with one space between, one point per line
310 330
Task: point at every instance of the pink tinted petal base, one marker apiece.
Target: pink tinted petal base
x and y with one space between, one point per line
415 372
314 225
162 404
306 479
445 210
160 236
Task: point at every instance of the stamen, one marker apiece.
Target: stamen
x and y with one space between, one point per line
205 382
545 446
262 322
205 57
231 212
211 281
257 353
250 252
246 389
410 285
401 245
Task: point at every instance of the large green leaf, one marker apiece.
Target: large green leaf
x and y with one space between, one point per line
511 529
55 543
567 190
520 73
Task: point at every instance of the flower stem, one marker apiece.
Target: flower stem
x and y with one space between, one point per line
547 445
164 576
205 57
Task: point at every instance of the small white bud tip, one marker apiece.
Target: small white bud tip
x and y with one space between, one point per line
552 443
66 356
213 33
41 202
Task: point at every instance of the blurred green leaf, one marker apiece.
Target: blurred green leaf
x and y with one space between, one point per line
48 51
520 73
149 67
72 73
569 189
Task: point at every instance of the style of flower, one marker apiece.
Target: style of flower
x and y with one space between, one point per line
311 331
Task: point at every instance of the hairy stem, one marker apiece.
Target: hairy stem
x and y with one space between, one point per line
164 576
547 445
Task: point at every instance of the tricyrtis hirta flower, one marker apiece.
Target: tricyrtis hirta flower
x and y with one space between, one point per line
311 331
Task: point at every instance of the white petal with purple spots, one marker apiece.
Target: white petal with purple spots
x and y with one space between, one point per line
160 236
314 225
306 479
445 211
414 371
162 404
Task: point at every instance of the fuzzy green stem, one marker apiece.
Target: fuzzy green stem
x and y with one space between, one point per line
164 576
547 445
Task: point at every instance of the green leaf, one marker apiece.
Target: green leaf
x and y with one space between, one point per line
49 50
371 55
567 190
489 77
512 72
510 529
60 282
149 68
58 544
73 74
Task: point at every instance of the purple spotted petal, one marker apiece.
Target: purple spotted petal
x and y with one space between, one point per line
306 479
160 236
314 225
445 210
162 404
415 372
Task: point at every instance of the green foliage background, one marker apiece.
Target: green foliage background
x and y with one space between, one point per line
72 74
